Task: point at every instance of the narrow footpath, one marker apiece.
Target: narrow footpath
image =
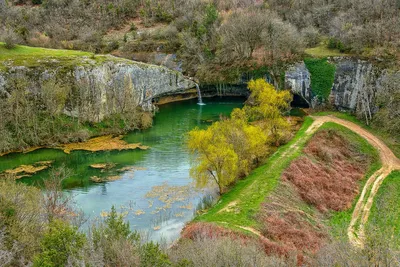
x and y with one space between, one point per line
356 230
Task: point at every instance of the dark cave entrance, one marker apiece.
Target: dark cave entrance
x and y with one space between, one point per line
299 102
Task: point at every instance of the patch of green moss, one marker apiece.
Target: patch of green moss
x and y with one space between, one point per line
38 57
322 76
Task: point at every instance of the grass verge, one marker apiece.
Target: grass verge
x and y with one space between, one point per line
385 214
245 198
393 142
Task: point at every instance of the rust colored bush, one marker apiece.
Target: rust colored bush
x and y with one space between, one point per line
327 175
207 230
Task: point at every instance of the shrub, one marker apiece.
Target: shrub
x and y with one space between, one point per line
221 251
152 256
311 36
60 243
21 218
327 177
10 38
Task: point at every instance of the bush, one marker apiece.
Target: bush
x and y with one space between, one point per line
111 46
334 43
221 251
10 38
311 36
60 243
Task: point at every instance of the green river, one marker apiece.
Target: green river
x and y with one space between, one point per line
157 192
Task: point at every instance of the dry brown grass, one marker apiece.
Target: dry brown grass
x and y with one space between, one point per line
288 226
327 175
102 143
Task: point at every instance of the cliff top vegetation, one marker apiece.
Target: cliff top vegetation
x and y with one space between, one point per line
214 40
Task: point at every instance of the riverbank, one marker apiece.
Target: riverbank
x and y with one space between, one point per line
239 210
164 167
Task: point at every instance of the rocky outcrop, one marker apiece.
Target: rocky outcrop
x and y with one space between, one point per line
298 79
354 81
101 84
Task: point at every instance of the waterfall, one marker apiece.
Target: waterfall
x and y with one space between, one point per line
200 101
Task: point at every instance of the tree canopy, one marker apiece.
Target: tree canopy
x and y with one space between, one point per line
232 147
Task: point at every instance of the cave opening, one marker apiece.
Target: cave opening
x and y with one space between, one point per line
299 102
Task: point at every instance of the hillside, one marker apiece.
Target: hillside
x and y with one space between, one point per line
308 192
70 96
196 133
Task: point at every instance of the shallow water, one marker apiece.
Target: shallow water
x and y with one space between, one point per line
166 164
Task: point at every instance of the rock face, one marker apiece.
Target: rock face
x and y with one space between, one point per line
298 78
101 85
354 80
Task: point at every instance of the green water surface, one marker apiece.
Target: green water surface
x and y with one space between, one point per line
167 162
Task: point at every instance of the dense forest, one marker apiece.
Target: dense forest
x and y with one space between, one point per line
220 35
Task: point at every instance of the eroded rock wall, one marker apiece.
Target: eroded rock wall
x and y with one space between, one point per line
101 86
354 81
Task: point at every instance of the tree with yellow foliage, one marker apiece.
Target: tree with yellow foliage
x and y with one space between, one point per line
215 157
268 105
226 150
231 148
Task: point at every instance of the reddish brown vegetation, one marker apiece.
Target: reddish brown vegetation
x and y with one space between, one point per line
200 229
208 230
327 176
288 228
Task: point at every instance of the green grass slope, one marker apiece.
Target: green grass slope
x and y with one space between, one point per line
385 213
249 193
238 207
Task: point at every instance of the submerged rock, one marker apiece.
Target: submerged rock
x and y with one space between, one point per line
102 143
28 170
103 166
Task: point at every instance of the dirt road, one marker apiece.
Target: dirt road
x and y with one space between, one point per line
356 230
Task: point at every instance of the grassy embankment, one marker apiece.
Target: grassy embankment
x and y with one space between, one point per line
247 195
385 214
393 142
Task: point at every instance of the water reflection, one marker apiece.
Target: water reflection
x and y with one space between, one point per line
166 162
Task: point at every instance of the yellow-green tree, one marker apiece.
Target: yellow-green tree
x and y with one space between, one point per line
215 157
226 150
248 141
267 104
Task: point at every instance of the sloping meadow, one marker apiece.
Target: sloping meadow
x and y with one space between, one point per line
294 219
